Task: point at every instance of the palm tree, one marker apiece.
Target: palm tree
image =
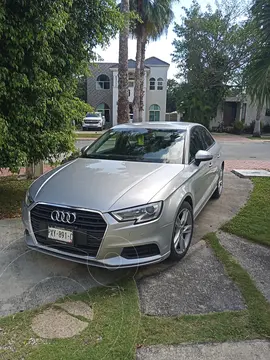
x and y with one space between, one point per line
155 18
258 70
123 103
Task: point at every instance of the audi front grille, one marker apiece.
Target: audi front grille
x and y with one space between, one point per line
88 229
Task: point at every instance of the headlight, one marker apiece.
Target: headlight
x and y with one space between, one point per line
28 199
139 214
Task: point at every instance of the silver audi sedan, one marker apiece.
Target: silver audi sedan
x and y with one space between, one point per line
130 199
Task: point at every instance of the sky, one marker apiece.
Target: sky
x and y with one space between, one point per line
162 48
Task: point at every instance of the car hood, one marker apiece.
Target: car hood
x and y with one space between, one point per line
103 184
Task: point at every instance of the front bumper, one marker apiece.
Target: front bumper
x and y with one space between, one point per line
117 237
92 126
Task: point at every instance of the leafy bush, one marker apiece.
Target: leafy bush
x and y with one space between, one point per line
238 127
74 155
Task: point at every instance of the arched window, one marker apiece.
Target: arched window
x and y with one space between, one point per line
152 84
160 84
104 110
154 113
103 82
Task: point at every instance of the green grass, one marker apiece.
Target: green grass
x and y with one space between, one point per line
263 137
111 335
87 135
12 193
258 307
253 220
118 327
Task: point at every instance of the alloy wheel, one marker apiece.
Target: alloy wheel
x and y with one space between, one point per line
220 182
182 231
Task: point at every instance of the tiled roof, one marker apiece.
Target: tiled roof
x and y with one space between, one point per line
131 64
155 61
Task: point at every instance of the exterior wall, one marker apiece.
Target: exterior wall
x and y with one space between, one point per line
110 96
157 97
251 111
115 97
96 97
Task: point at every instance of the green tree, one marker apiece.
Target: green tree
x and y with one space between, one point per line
211 51
154 19
173 88
257 74
81 90
123 103
45 45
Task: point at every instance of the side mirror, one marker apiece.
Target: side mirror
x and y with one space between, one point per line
203 155
83 149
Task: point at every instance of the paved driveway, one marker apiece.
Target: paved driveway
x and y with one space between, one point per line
29 279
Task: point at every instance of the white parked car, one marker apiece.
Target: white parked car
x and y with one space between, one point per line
93 121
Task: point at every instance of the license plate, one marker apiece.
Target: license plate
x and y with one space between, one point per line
60 234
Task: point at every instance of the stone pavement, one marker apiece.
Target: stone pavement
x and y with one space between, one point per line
195 285
29 279
247 164
235 194
242 350
254 258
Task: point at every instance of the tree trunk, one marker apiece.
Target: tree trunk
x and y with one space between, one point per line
257 126
123 104
141 108
136 100
34 170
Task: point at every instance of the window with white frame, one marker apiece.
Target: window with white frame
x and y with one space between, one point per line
152 84
154 113
160 84
103 82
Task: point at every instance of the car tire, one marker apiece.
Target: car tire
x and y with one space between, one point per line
219 188
182 232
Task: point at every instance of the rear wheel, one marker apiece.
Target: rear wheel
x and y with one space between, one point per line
219 188
183 231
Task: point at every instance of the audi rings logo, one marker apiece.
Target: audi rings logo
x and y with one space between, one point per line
63 216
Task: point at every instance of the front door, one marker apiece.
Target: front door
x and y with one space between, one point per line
229 113
200 173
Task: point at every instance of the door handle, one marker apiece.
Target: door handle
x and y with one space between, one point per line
218 156
210 164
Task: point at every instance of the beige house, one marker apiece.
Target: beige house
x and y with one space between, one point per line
102 89
238 108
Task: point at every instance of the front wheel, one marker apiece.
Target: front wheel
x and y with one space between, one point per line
182 232
219 188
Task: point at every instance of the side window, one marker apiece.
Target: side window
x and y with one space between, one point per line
195 143
207 138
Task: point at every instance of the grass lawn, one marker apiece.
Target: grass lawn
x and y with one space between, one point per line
12 193
253 220
119 327
263 137
87 135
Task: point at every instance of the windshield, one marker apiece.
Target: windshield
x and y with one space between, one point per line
148 145
92 115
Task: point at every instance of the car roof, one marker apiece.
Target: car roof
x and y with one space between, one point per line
158 125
